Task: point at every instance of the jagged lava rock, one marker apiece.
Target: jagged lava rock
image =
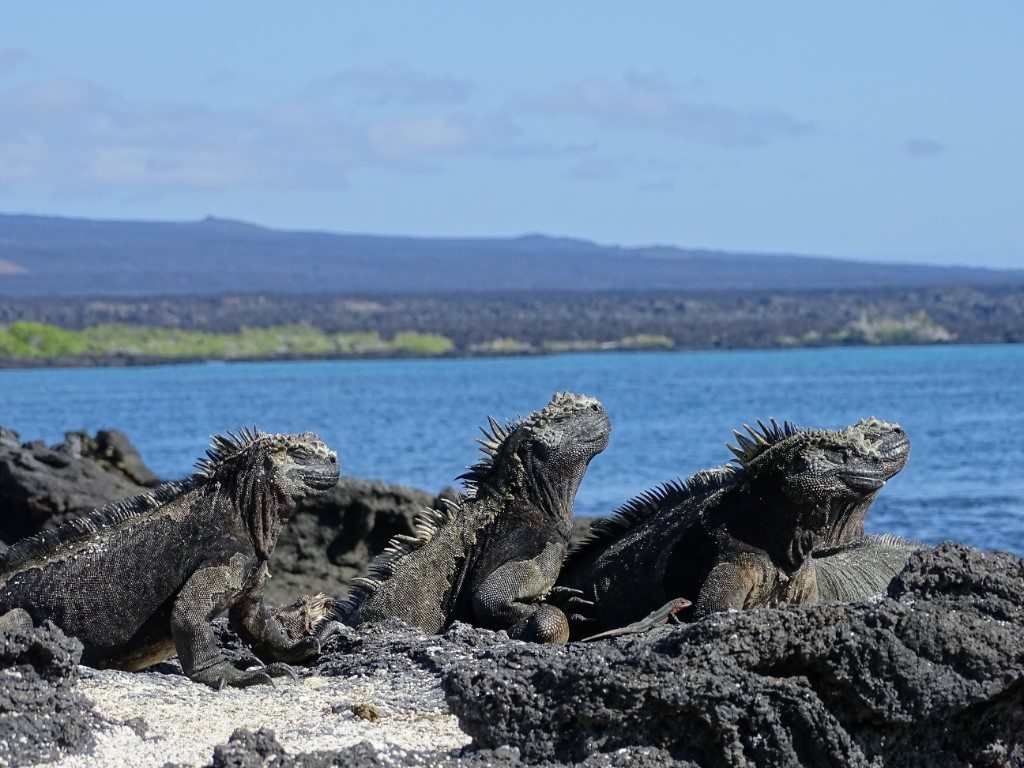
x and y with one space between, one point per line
932 675
41 716
42 487
246 749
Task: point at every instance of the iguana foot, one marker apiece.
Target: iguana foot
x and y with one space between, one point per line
567 598
547 624
667 614
223 675
570 601
304 649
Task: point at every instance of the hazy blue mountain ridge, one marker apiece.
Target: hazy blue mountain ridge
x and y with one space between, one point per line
51 256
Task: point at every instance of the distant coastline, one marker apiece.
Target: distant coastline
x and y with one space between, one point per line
412 345
77 332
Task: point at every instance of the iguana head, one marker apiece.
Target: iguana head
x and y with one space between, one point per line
816 485
544 455
266 474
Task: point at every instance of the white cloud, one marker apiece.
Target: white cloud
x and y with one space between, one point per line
399 139
647 102
75 135
394 85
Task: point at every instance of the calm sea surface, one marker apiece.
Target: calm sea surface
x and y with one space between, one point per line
414 422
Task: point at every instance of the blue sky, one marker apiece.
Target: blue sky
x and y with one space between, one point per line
888 131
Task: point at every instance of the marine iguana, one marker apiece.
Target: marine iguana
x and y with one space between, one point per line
861 569
491 558
139 579
738 536
847 525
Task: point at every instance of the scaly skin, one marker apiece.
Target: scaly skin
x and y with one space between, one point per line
492 558
140 580
861 569
736 537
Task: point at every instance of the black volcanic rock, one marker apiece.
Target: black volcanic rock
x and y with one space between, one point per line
41 716
246 749
932 675
43 486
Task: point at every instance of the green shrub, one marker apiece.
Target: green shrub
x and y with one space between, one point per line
646 341
421 344
584 345
39 340
916 328
503 346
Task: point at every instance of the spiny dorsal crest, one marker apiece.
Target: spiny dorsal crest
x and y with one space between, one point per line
224 449
497 436
760 439
428 522
650 503
83 528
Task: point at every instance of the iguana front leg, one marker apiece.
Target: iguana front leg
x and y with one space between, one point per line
727 587
510 598
258 627
207 594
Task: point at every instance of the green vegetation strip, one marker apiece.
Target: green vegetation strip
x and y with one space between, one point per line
38 341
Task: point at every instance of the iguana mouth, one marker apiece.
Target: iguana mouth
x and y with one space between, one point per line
862 481
321 482
601 440
895 449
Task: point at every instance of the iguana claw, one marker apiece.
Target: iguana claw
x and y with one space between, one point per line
567 597
279 669
223 675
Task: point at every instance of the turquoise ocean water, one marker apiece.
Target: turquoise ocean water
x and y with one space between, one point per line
414 421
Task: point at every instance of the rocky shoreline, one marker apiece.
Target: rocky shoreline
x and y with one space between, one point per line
931 675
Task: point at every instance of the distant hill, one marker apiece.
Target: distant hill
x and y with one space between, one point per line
49 256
